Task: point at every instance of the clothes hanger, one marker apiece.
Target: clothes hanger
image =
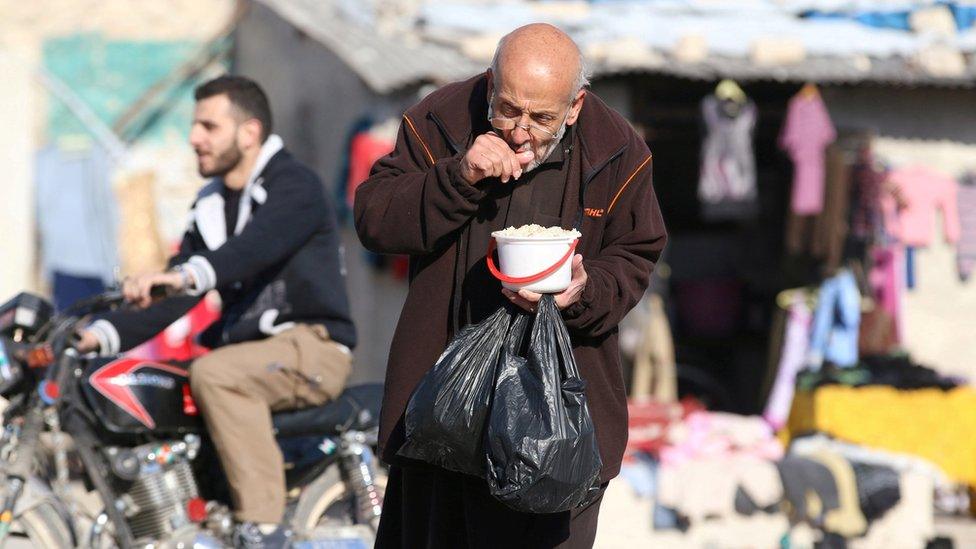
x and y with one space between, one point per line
786 298
729 90
809 91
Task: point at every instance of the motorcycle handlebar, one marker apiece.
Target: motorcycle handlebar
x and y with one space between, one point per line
96 303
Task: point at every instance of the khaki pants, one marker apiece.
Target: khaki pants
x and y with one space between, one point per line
238 386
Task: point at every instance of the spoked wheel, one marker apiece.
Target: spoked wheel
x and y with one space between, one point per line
328 509
40 526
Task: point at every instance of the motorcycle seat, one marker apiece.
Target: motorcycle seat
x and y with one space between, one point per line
357 408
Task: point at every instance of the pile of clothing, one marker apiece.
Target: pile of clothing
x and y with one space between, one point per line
716 469
913 412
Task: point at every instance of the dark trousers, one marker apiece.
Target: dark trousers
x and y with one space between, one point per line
433 508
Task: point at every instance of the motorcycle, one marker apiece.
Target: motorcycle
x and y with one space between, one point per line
129 430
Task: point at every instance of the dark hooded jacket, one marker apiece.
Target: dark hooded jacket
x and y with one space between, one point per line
415 202
282 268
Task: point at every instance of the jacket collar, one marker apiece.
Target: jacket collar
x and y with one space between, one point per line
463 114
254 189
208 213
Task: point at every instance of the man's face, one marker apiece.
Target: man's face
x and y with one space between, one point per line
214 136
541 108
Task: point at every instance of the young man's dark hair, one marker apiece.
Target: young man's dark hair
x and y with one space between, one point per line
244 93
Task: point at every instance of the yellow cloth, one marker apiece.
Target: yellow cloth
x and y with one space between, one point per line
930 423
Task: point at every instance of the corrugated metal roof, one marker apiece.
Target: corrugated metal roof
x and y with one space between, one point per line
890 72
438 46
384 64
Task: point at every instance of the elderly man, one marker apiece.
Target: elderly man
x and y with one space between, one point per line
522 143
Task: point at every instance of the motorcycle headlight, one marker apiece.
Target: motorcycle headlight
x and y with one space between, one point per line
11 371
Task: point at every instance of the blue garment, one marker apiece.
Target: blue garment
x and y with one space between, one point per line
836 322
76 212
69 288
910 267
641 475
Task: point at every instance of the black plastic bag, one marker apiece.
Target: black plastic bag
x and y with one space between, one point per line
445 417
541 447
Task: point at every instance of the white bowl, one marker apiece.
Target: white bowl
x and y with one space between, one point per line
522 256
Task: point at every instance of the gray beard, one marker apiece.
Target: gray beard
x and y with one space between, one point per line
550 148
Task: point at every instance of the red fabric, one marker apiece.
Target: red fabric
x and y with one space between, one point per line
364 150
649 422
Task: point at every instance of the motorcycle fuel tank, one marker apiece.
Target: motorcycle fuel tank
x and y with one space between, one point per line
134 396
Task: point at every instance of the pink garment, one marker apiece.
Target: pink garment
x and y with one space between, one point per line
966 250
714 435
924 190
888 285
796 341
805 135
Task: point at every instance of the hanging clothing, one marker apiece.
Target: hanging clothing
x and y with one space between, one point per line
68 289
966 248
822 236
795 345
831 226
867 184
805 135
924 191
76 213
364 150
877 334
910 267
887 283
727 182
655 373
836 322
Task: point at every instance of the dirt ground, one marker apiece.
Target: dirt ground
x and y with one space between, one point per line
625 522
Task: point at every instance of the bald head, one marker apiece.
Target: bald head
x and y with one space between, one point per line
543 55
535 89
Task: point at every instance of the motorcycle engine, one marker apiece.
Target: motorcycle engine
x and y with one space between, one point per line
161 495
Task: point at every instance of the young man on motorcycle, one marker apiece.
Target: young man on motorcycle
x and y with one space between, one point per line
263 234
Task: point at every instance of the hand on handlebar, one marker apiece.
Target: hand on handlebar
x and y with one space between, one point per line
142 290
87 342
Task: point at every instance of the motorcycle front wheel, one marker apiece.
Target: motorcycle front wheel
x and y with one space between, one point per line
40 526
330 503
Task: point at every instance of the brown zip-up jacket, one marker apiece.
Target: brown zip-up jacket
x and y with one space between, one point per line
416 203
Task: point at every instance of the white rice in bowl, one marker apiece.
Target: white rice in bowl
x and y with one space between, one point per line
537 231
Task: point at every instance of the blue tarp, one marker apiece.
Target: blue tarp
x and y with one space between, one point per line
964 15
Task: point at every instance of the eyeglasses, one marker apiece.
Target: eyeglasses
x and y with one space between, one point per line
505 123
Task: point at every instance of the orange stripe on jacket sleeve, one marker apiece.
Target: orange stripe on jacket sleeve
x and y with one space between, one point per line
413 128
629 179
